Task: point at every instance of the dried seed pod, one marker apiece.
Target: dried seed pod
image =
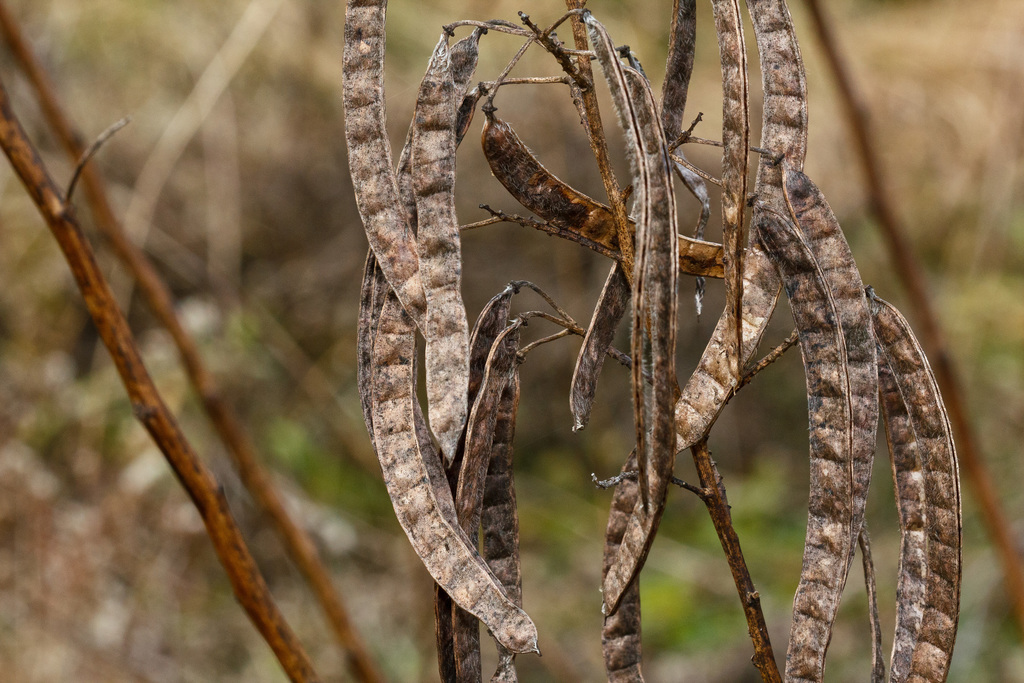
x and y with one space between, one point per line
703 397
500 518
655 300
440 254
735 141
830 541
465 55
784 84
540 191
678 66
469 496
607 314
620 637
823 235
491 322
369 155
901 352
453 564
909 483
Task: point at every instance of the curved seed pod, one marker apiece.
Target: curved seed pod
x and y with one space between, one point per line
942 511
369 154
655 290
735 141
703 397
467 109
500 520
784 84
823 235
607 314
518 170
453 564
620 637
830 542
440 253
469 496
908 480
678 66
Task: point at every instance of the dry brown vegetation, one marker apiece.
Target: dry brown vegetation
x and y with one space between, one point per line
105 572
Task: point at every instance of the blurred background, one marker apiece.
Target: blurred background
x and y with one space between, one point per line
233 172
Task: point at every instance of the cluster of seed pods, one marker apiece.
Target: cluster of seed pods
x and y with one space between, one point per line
450 474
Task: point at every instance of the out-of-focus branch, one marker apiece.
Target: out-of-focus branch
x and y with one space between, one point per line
932 336
249 587
157 294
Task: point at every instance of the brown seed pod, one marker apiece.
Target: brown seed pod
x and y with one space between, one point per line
823 235
491 322
830 541
909 483
655 300
440 254
620 637
678 66
453 564
735 141
611 306
540 191
901 352
472 477
500 518
784 84
369 155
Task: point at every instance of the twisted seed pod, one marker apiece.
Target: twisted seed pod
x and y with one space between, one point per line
440 254
620 637
830 542
922 403
412 486
369 154
611 306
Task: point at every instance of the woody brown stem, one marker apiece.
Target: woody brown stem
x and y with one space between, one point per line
718 507
208 496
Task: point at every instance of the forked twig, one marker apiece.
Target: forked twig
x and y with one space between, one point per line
147 405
